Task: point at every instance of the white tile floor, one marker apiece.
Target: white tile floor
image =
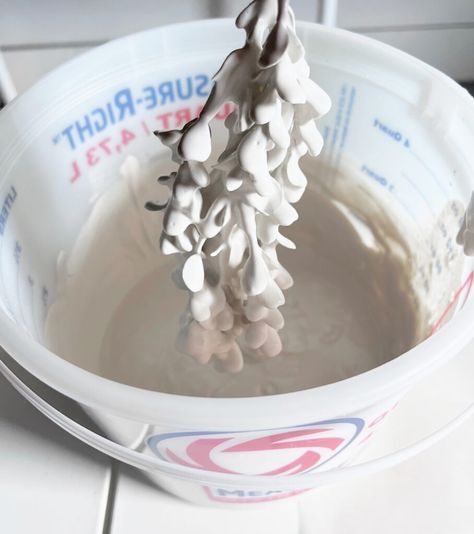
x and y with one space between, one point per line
138 505
52 484
49 482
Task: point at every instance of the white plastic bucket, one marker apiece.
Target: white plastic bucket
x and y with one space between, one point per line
407 127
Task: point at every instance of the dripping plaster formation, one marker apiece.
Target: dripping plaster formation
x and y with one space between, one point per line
223 224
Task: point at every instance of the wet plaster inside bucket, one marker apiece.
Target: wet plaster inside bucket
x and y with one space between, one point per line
356 303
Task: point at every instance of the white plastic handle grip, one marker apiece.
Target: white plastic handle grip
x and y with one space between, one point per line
290 482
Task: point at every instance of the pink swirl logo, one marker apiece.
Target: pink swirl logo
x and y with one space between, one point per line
284 451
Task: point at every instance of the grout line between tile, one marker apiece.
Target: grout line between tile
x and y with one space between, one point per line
411 27
109 500
26 47
300 529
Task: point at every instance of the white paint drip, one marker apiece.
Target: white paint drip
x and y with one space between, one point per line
224 224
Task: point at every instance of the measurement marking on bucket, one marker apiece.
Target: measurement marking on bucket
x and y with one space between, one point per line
120 139
431 172
45 298
346 123
421 194
18 253
35 321
391 132
465 288
31 284
7 205
335 136
377 177
6 304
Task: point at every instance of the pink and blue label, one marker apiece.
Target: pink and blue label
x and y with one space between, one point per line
282 451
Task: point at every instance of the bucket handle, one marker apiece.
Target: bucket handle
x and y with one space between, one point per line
290 482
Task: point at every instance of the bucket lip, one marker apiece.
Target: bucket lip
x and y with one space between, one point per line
177 411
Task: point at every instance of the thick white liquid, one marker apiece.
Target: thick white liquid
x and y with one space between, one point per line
352 307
